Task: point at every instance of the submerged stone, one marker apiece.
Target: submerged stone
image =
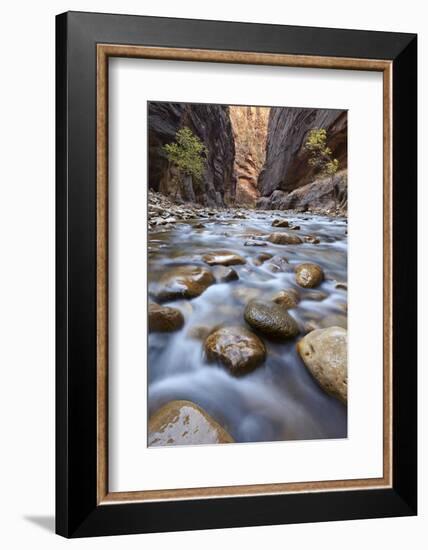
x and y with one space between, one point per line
238 349
271 319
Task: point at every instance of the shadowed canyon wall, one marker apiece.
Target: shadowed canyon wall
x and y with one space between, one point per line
211 123
287 180
250 131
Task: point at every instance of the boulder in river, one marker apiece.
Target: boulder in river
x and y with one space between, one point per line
284 238
261 258
280 223
309 275
334 320
271 319
324 352
317 295
238 349
288 298
164 319
183 282
223 257
311 239
278 264
224 274
184 423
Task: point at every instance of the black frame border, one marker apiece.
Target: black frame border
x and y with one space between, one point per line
77 512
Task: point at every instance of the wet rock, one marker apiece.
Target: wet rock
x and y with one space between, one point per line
342 286
255 243
316 295
309 326
288 298
224 274
309 275
200 332
271 319
184 423
334 320
312 239
223 257
324 352
164 319
261 258
183 282
295 227
199 225
244 295
280 223
236 348
284 238
278 264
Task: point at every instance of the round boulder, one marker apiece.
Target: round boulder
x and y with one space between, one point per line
223 257
164 319
236 348
183 282
271 319
184 423
324 352
309 275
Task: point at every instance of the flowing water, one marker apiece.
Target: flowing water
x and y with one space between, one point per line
280 400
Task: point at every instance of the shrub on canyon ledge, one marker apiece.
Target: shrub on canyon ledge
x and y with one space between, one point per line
320 156
187 152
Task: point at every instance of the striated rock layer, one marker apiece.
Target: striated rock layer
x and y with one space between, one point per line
286 180
211 123
250 131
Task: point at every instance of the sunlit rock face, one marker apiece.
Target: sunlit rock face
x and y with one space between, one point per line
250 130
211 124
286 166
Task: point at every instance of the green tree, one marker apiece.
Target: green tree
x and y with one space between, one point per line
187 152
321 156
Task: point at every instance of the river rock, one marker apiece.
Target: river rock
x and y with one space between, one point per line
255 243
200 332
223 257
309 275
341 286
164 319
261 258
278 264
271 319
334 320
185 423
224 274
324 352
236 348
183 282
311 239
288 298
280 223
317 295
284 238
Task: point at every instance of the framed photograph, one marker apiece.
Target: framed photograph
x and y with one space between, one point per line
236 274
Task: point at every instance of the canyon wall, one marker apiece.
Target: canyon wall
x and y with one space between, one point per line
211 123
287 180
250 131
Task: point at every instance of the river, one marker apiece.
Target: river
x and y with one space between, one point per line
280 400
